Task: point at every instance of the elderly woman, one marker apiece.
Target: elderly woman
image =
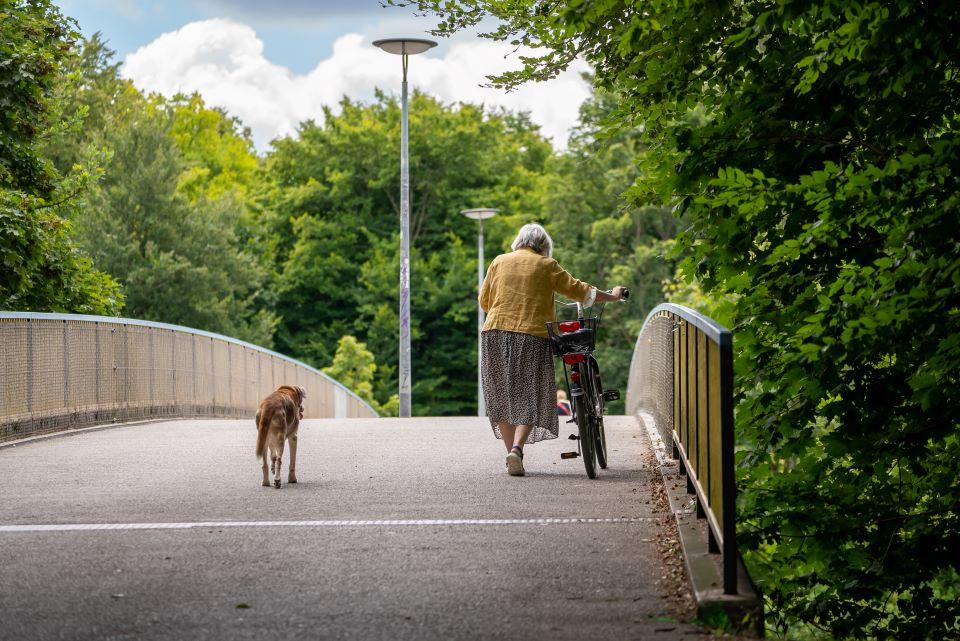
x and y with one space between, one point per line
518 380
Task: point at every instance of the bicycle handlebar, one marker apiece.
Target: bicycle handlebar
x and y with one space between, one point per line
557 301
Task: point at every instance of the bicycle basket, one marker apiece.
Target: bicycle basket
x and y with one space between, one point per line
572 336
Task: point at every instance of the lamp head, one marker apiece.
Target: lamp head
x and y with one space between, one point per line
404 46
480 214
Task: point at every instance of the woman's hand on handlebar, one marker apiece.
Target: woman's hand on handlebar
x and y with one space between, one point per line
618 293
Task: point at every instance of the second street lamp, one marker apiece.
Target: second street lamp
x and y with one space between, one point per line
480 215
404 47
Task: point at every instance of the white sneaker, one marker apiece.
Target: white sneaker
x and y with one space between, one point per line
514 464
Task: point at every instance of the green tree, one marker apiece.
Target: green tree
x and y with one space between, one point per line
217 150
813 147
43 270
353 366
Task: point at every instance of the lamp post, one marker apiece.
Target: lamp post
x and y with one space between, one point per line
480 215
404 47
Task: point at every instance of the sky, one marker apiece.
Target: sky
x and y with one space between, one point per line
276 63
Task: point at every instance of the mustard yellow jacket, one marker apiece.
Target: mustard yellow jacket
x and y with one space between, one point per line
517 294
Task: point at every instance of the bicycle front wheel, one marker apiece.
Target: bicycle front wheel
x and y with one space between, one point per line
601 439
588 451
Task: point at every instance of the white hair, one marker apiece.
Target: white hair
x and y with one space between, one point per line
536 238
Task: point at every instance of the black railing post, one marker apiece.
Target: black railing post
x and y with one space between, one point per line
728 470
712 546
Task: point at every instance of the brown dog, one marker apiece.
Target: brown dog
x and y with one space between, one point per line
278 419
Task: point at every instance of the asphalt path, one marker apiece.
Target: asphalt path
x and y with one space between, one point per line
398 529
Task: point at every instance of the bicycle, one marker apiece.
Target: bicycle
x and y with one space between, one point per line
573 342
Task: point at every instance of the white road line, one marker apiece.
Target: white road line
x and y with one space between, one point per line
84 527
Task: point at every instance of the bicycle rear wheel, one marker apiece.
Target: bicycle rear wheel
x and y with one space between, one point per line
588 451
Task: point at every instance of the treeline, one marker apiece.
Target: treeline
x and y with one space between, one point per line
166 212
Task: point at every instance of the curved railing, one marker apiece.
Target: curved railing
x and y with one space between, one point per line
63 371
681 380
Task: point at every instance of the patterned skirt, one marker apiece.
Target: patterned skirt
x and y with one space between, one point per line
518 383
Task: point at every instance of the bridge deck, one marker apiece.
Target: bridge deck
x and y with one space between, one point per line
420 578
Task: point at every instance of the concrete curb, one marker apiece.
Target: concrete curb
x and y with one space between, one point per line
82 430
744 611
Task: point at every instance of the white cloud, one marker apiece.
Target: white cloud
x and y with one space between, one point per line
223 60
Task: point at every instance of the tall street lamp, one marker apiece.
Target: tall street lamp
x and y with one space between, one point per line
480 215
404 47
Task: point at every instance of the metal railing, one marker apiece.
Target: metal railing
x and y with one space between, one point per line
64 371
681 377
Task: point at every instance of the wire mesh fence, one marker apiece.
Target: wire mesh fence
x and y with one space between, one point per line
65 371
650 388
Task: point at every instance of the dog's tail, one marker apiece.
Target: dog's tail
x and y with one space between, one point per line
264 420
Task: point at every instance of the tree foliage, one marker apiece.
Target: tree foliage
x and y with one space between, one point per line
353 365
42 269
167 216
813 147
